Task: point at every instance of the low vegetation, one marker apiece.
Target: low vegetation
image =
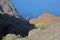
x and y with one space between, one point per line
41 25
11 37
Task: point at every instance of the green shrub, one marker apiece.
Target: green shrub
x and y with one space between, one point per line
41 25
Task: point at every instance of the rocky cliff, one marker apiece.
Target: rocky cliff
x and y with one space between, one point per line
50 33
14 27
7 7
11 22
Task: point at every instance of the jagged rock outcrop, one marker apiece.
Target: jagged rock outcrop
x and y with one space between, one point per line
27 18
11 22
7 7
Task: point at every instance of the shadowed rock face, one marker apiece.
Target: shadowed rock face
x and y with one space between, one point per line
11 22
1 9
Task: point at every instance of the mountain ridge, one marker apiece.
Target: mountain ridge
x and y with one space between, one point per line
46 18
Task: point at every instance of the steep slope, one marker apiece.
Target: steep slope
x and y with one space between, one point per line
11 22
51 33
46 18
7 7
13 26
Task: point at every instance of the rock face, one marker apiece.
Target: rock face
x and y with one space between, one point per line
51 33
11 22
7 7
13 26
46 18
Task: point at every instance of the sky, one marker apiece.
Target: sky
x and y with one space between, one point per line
35 8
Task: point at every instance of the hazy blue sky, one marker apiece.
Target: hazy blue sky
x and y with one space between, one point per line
34 8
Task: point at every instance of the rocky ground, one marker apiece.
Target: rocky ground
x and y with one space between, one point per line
51 33
14 27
